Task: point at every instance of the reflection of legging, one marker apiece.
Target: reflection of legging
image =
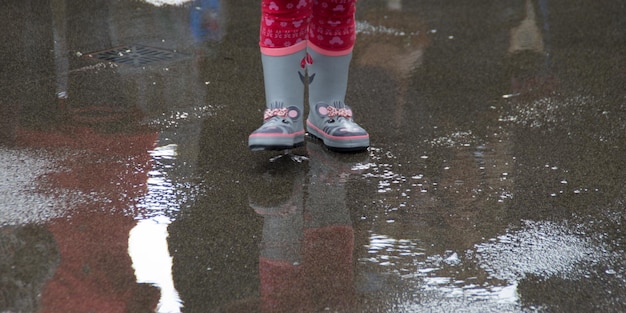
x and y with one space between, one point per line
326 24
323 279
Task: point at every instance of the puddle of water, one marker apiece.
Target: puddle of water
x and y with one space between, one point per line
422 204
543 249
478 172
428 278
486 277
435 222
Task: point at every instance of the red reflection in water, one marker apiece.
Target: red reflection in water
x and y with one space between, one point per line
95 273
324 277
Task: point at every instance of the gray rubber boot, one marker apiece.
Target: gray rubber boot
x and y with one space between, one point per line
330 119
284 95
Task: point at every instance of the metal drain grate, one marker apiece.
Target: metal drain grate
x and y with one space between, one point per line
136 55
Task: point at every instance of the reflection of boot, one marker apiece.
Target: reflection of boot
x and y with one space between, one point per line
282 228
328 174
284 92
278 197
281 207
328 234
330 119
277 190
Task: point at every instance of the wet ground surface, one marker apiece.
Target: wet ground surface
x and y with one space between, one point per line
494 181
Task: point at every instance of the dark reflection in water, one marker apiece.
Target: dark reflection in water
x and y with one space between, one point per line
28 258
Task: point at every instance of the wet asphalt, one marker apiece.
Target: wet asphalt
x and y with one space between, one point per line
494 181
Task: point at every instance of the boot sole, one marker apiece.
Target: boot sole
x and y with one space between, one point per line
340 144
271 143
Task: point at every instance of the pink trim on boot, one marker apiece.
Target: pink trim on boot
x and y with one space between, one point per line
279 52
330 53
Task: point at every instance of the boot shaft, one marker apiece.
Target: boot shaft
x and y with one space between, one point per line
281 75
328 75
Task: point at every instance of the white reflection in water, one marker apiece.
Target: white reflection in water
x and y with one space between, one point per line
397 255
165 152
162 194
147 246
147 242
159 3
175 117
364 27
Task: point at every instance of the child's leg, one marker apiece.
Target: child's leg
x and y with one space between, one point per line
332 33
283 32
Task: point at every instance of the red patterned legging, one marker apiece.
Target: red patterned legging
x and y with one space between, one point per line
327 25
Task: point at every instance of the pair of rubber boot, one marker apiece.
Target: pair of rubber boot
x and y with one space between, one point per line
329 118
